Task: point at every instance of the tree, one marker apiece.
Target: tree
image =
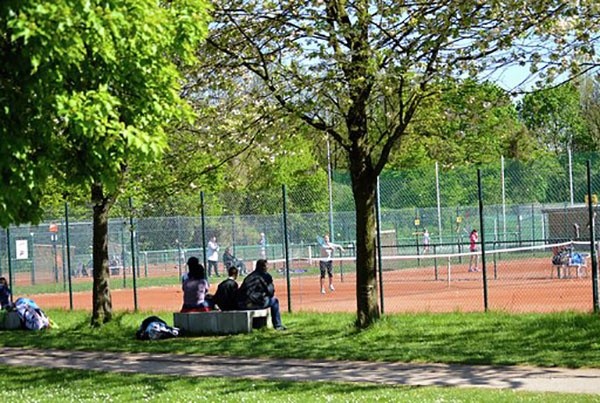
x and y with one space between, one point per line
360 70
465 122
555 117
590 100
86 91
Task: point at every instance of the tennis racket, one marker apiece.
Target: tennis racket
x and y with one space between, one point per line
320 240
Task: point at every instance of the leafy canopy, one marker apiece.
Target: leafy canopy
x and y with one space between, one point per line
87 88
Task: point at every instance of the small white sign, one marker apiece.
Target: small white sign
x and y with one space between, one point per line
22 249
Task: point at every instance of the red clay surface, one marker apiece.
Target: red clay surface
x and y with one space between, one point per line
518 286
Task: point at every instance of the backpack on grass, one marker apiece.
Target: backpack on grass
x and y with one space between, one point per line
154 328
31 315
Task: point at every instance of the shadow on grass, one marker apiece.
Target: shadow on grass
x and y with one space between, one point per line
564 339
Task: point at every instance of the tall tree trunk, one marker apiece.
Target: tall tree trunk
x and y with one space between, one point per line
364 186
101 299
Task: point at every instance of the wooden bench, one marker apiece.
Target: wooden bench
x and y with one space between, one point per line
9 320
222 322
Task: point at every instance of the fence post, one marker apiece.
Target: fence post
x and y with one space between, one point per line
482 241
32 235
11 284
123 223
592 224
68 255
178 241
330 191
203 220
133 267
379 261
286 248
10 277
439 204
533 238
502 179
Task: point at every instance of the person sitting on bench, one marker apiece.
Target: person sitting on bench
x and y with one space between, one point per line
230 260
195 287
258 292
226 296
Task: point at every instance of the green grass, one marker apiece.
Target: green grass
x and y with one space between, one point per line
86 285
561 339
25 384
564 339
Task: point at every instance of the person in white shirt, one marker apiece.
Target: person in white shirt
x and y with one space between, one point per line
326 262
212 253
263 245
426 241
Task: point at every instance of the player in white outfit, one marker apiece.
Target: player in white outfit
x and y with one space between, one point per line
326 262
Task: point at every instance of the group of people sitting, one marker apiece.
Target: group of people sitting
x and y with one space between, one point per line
256 292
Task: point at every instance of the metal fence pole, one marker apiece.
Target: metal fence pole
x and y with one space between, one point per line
123 223
203 220
132 238
64 268
503 198
32 235
330 191
482 240
571 176
379 260
286 249
10 273
592 224
68 255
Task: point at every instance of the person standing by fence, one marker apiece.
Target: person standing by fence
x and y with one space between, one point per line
263 245
473 239
426 241
212 253
326 262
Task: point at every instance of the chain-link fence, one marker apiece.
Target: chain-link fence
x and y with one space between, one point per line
525 214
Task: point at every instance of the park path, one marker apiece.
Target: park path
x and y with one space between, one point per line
482 376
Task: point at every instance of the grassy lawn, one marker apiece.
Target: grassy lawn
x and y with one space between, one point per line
561 339
24 384
85 285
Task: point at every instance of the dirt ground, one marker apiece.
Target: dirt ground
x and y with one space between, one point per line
512 286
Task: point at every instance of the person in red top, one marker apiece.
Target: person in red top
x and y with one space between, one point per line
473 239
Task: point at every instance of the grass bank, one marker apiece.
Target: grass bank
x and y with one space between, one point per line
546 340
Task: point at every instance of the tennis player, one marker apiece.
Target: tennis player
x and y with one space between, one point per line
326 262
473 239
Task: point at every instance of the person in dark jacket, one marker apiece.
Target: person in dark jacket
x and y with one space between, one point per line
226 297
5 294
258 292
230 260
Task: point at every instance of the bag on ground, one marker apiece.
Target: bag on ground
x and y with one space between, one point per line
154 328
31 315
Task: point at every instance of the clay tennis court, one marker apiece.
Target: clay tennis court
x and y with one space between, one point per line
528 285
